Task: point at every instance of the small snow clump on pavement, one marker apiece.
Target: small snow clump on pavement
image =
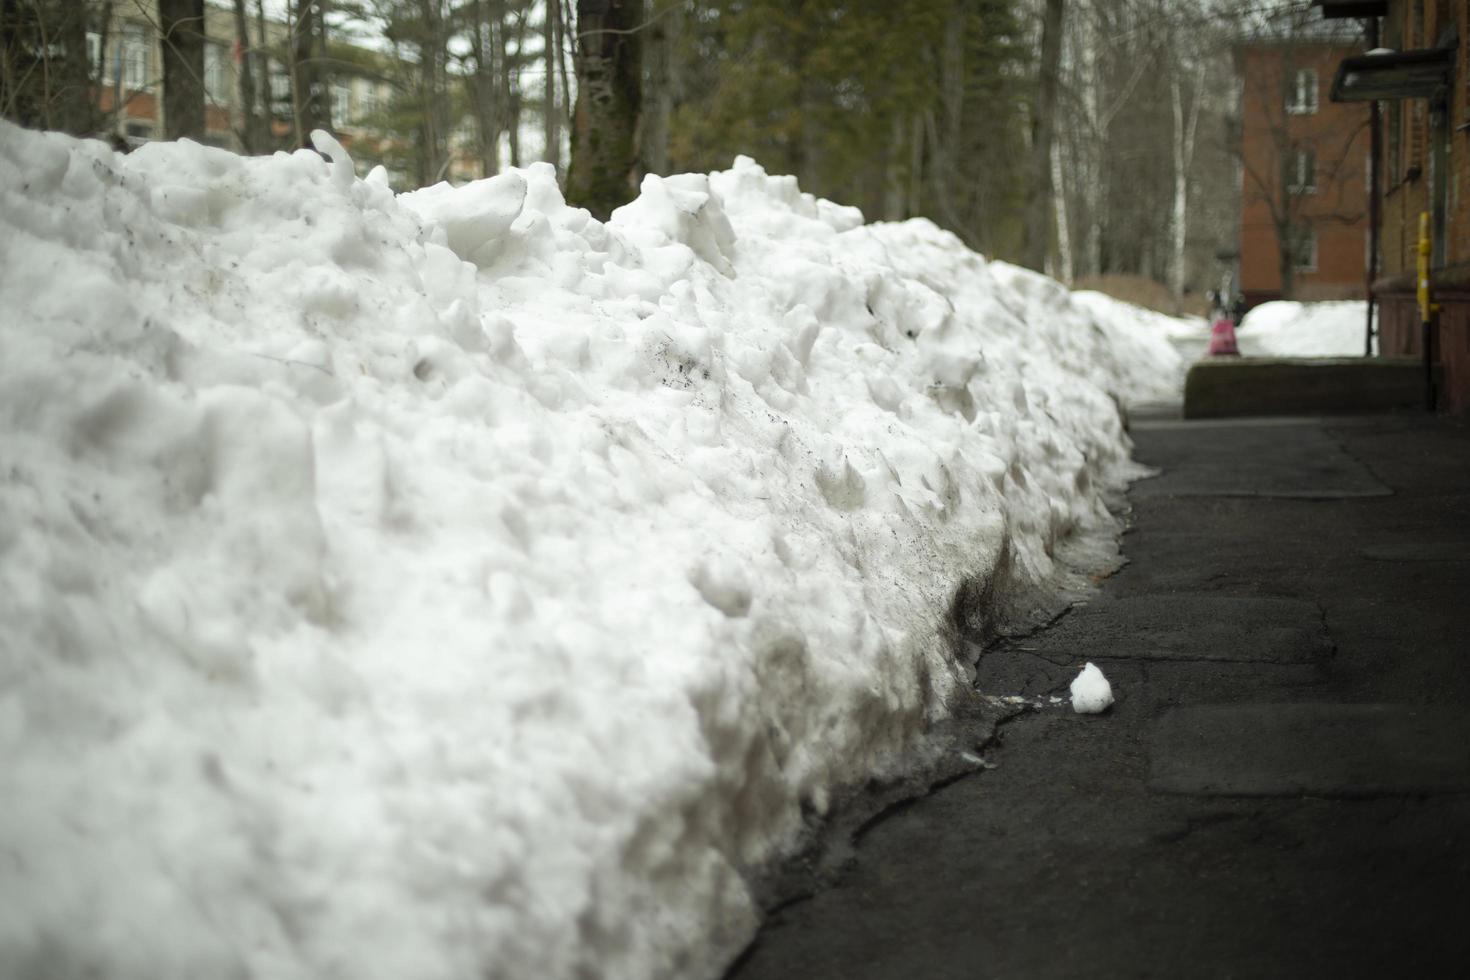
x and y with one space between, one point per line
1091 692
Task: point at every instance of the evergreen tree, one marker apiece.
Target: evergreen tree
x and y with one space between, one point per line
905 109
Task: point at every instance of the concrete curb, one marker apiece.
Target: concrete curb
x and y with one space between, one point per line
1243 386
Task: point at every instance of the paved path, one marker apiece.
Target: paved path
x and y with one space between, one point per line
1283 788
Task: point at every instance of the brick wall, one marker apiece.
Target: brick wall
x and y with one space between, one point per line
1400 333
1407 196
1336 135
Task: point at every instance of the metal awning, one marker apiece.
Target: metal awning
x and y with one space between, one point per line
1393 75
1332 9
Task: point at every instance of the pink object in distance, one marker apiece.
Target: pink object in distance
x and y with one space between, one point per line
1222 339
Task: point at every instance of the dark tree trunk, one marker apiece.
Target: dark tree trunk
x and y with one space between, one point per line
434 115
308 80
182 25
102 123
609 97
561 63
267 96
252 136
550 112
511 86
73 73
484 86
1043 125
662 59
45 76
19 65
1286 238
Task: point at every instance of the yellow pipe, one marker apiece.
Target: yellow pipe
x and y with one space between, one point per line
1426 308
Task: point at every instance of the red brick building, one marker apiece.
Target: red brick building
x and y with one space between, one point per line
1303 160
1419 74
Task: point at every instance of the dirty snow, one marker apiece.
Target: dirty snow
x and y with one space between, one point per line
451 584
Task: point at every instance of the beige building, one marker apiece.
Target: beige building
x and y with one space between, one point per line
131 76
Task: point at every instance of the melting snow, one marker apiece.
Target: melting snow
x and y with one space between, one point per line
453 585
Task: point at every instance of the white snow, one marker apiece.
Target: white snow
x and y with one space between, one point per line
1144 344
454 585
1288 329
1091 692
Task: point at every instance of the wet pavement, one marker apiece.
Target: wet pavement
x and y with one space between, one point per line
1281 790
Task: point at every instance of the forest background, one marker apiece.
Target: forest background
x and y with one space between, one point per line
1096 140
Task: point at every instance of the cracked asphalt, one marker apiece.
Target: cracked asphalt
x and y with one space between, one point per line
1281 790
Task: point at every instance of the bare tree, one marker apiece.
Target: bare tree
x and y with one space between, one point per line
46 76
181 24
254 138
512 28
1106 61
1186 127
1043 125
309 102
267 94
550 110
661 82
483 78
434 107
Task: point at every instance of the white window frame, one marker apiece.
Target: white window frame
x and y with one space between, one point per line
1301 98
1304 235
137 57
367 98
279 84
216 73
1303 169
341 103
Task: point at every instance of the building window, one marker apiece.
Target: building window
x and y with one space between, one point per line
367 99
137 50
280 87
216 75
1301 97
1301 172
1302 243
341 103
94 54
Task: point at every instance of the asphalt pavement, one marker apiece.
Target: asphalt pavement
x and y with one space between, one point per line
1283 786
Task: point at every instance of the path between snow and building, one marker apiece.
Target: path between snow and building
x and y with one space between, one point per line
450 584
1283 786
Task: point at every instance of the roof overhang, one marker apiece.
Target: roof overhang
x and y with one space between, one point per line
1392 76
1333 9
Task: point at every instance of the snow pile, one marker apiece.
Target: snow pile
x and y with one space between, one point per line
1091 692
454 585
1286 329
1145 344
